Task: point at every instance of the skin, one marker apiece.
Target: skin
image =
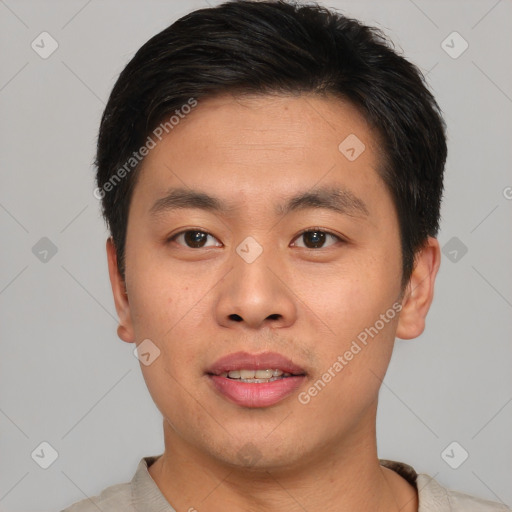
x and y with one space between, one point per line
306 303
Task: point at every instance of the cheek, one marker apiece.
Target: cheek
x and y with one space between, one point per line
347 387
163 297
351 296
358 308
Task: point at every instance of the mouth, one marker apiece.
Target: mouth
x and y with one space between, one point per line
255 380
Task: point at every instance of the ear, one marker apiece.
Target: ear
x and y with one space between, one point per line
419 291
125 328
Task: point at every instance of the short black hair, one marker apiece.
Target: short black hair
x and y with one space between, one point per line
283 47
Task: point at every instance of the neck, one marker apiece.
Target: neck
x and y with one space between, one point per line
339 478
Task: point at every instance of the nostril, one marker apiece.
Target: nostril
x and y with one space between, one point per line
235 317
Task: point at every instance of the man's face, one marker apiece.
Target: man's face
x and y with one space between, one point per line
204 283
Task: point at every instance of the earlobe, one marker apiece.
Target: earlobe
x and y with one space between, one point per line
419 293
125 328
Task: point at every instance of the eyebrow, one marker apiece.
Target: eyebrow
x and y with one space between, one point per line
340 200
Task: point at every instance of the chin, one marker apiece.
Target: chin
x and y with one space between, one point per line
260 456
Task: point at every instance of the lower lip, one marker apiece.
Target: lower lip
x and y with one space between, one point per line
253 394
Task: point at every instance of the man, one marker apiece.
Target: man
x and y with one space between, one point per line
271 175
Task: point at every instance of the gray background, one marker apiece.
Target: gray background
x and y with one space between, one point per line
68 380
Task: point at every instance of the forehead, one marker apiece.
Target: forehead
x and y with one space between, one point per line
264 144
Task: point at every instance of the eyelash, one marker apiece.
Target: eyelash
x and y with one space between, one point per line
309 230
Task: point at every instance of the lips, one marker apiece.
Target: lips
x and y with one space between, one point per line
256 393
264 361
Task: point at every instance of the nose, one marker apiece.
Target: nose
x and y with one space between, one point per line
254 293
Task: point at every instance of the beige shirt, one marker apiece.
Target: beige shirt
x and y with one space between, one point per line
143 495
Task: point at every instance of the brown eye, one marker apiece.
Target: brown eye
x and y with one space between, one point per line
315 239
193 239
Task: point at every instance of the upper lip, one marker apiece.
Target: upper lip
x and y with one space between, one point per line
246 361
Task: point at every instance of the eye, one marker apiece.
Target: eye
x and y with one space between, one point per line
315 238
193 238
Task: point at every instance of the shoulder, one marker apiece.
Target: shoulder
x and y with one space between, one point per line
113 498
433 497
126 496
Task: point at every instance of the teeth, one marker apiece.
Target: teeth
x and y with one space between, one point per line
259 381
255 375
263 374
